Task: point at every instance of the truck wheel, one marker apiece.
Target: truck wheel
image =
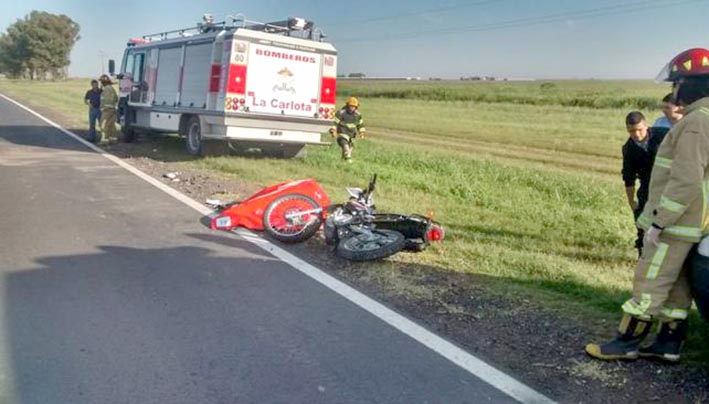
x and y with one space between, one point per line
129 134
294 151
193 135
270 150
235 147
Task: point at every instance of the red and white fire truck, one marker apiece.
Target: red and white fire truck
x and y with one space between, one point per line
264 85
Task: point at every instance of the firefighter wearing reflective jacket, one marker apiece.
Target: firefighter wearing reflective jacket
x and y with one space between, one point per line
109 99
675 218
347 126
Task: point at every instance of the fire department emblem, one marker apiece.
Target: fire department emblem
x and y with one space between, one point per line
285 81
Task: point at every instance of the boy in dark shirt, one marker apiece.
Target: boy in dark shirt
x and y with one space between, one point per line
93 100
638 157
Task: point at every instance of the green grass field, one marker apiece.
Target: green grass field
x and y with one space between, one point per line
525 177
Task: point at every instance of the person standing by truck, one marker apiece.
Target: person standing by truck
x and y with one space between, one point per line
93 100
638 157
109 99
347 126
674 219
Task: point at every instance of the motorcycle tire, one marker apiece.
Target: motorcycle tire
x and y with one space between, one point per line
358 248
280 228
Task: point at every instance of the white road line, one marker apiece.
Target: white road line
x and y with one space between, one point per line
477 367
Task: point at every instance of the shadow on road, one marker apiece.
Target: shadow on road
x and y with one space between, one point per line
39 136
136 325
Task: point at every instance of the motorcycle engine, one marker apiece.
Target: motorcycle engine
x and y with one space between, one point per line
330 231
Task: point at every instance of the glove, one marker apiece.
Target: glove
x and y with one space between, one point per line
652 236
332 132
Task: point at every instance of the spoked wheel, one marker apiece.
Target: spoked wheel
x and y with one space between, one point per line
371 246
282 220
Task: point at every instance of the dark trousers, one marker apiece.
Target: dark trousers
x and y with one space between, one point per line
94 116
699 282
641 232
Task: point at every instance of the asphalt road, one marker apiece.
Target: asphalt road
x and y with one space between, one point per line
111 291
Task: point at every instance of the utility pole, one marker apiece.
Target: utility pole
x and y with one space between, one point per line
102 55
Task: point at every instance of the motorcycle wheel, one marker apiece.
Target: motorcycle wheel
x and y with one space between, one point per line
363 247
285 230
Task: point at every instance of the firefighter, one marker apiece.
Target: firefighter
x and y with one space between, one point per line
348 125
109 99
674 221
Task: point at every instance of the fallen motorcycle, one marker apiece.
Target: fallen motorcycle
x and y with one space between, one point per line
354 228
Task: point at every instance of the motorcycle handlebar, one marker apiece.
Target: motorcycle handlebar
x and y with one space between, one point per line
372 184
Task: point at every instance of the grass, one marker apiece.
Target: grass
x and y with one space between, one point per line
635 94
527 183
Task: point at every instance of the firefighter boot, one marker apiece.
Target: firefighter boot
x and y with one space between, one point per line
624 346
668 341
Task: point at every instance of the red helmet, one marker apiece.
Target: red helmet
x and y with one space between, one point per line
692 62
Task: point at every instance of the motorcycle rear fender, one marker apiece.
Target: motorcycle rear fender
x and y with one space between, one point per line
249 213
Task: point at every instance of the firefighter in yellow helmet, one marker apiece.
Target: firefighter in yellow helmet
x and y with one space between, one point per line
674 219
109 100
347 126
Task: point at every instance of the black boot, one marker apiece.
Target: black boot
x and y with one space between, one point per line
624 346
668 342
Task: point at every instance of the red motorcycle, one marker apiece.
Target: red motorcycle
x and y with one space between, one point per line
354 228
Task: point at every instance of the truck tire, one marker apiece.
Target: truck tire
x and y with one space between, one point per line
291 151
270 150
193 136
129 134
236 148
127 129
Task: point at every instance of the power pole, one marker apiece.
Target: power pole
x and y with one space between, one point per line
102 55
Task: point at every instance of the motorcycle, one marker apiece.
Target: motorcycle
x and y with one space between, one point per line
354 228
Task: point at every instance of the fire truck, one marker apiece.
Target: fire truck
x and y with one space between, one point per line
269 86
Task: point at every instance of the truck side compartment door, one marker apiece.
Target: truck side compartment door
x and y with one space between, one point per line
139 88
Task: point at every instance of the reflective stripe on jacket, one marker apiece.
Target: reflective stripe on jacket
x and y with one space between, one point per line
680 178
109 99
348 124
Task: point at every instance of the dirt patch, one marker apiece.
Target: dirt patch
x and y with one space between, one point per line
518 336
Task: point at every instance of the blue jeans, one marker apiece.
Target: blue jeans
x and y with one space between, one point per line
94 116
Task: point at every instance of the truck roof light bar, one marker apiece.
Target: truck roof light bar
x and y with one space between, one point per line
295 27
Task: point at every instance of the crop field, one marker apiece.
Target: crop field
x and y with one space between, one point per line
524 175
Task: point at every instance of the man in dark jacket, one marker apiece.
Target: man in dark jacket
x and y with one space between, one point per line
638 157
93 100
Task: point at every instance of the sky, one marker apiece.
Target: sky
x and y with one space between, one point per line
514 39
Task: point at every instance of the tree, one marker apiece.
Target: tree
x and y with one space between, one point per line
38 46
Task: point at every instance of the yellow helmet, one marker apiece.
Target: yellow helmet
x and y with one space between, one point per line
353 102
